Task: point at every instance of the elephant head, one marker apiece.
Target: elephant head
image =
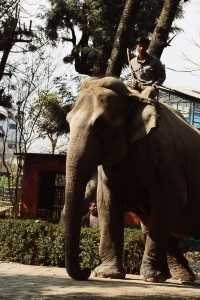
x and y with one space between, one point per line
103 122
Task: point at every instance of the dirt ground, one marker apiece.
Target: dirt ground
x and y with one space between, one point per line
24 282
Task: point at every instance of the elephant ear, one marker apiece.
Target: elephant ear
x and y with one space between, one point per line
143 118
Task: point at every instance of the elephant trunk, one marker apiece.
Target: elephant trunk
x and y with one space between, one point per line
80 166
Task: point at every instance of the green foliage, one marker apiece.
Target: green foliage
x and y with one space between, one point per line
42 243
133 251
50 112
89 248
97 22
31 242
3 181
51 116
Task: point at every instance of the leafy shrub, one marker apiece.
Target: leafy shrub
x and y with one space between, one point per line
41 243
89 245
133 251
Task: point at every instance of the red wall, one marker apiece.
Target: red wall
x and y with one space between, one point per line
34 164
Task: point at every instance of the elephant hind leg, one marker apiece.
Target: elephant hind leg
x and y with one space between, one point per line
154 266
178 264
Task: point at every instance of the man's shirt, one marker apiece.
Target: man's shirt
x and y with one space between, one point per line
148 71
94 222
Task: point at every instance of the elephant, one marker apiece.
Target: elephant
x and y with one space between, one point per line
179 268
148 161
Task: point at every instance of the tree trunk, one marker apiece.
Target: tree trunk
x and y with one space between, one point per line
162 29
118 53
53 143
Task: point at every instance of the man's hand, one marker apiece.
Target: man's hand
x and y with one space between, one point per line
132 83
155 85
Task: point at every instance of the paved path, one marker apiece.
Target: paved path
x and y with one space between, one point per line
23 282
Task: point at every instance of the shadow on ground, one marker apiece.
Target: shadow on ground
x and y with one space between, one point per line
29 284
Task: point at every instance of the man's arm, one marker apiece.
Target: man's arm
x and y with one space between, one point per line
132 81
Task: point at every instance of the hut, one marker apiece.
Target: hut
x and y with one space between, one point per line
43 185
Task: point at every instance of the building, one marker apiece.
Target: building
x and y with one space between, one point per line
186 101
7 137
43 186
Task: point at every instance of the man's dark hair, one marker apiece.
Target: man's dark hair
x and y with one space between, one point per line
91 202
143 41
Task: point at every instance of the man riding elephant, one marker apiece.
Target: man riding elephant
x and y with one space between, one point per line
146 70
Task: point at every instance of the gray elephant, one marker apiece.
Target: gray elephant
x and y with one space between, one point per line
148 162
179 268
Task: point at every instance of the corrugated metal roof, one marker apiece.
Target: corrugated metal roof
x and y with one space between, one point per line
184 91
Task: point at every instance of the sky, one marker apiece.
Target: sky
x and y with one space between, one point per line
174 57
182 46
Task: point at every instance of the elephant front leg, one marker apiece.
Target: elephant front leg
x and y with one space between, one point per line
110 215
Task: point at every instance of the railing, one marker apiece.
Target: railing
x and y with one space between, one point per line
8 194
187 105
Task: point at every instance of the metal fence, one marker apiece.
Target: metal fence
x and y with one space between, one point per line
53 212
8 194
59 197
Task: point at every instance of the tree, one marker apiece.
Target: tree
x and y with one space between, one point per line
31 76
122 36
159 41
51 117
7 7
193 60
161 32
11 31
90 26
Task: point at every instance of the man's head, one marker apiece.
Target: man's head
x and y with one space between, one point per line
142 45
93 208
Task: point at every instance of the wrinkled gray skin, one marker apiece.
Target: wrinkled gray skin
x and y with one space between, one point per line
148 162
178 265
90 195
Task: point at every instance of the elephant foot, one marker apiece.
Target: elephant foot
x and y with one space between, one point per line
155 276
151 272
180 270
109 271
